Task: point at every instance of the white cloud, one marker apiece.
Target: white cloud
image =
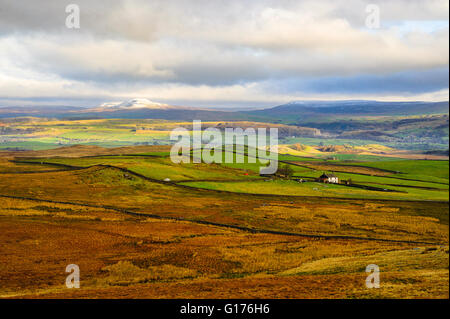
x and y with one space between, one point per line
207 50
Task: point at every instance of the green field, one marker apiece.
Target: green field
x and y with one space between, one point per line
158 168
402 179
291 188
418 169
432 184
37 135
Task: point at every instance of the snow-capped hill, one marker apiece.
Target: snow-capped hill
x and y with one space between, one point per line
295 103
137 103
109 104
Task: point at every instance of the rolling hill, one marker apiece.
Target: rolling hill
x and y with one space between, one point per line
421 125
301 110
297 111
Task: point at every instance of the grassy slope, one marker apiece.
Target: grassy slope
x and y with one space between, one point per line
418 169
162 167
157 168
281 187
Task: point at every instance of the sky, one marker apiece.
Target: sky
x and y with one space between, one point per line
211 53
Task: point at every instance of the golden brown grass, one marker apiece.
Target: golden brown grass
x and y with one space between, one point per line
144 257
86 150
126 256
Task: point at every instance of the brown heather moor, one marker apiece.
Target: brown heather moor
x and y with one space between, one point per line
137 238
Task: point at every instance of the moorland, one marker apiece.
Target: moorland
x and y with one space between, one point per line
140 226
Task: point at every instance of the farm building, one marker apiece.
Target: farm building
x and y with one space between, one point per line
328 178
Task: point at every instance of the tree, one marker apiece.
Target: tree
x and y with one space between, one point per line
285 171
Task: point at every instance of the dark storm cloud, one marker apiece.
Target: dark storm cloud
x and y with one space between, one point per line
402 82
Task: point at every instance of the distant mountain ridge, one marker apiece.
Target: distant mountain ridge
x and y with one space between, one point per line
292 112
356 107
325 103
422 124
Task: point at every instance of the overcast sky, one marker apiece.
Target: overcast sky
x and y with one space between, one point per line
222 53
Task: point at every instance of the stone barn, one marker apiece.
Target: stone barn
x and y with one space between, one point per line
328 178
